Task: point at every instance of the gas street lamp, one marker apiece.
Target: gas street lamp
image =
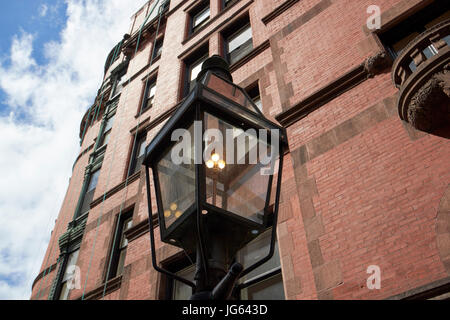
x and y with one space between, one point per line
216 165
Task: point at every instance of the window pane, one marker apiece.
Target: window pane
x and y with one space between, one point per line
269 289
152 90
200 17
196 68
93 181
182 291
108 124
71 261
239 39
255 251
106 138
258 102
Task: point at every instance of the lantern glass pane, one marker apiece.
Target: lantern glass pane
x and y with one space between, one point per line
177 181
231 91
236 178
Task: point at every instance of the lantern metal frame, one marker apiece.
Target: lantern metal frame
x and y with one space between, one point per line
202 100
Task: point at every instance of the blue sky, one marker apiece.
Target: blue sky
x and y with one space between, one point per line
42 18
52 54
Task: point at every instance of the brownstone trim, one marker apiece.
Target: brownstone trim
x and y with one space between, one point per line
140 229
219 27
140 127
343 132
40 275
111 286
322 96
278 11
116 189
428 291
249 56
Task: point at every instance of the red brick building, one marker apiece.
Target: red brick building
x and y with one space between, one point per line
366 179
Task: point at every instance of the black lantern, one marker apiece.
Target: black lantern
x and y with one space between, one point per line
213 165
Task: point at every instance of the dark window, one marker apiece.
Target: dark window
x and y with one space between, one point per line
399 36
118 83
149 94
158 48
89 194
253 93
138 154
193 68
119 249
107 130
199 17
69 273
226 3
238 43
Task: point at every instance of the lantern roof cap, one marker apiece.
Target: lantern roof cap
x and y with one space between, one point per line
218 65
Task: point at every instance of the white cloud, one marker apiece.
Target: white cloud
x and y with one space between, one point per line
39 137
43 8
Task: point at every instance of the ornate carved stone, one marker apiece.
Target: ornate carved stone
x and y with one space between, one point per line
377 64
430 106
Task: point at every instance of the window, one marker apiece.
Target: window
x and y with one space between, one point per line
180 290
398 37
107 130
89 194
239 43
253 93
149 95
118 84
138 155
69 273
119 249
199 17
193 68
270 284
158 48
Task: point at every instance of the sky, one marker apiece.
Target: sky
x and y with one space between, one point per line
52 54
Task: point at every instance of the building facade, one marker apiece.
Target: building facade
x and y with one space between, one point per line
365 198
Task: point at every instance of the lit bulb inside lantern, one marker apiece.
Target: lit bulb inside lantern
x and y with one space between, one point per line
167 213
215 157
178 214
221 164
210 164
173 206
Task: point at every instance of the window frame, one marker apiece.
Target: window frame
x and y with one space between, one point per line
117 249
255 94
89 192
140 139
233 31
148 84
200 55
158 45
196 12
63 281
